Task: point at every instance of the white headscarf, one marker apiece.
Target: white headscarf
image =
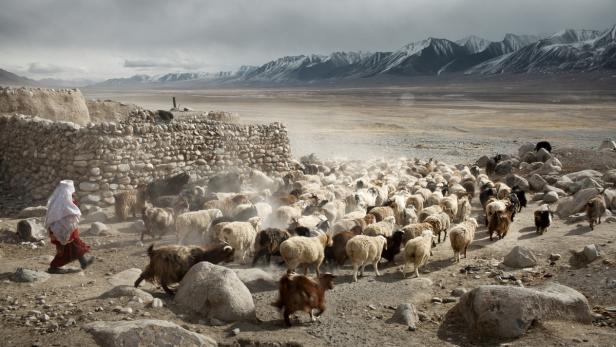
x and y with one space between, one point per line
60 204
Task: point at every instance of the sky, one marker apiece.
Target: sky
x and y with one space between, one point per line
99 39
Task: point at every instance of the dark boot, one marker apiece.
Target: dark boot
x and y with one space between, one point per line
85 262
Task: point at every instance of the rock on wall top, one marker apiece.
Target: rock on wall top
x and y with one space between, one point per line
54 104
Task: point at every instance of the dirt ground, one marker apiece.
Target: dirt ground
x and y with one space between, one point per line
357 313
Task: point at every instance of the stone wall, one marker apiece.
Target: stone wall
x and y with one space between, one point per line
55 104
104 158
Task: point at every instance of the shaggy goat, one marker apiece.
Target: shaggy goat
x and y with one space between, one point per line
300 293
461 236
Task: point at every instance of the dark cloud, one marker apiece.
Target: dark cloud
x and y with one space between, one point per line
222 34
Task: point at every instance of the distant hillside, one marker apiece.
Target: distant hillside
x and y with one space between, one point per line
562 52
11 79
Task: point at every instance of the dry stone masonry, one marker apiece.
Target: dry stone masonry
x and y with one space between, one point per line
106 158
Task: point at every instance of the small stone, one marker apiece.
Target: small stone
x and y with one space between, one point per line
476 277
449 299
591 252
554 257
157 303
372 307
437 300
236 331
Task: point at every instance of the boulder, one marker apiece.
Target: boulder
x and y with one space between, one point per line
96 216
256 279
529 157
588 182
607 145
543 155
565 183
493 311
34 211
548 168
146 332
215 292
526 148
550 197
537 183
125 278
97 227
549 188
515 180
29 276
610 176
31 230
503 168
591 252
520 257
576 203
406 314
576 176
127 291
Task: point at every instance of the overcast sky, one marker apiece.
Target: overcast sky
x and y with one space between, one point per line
119 38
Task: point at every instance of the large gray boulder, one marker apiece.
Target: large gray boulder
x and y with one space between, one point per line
543 155
504 167
127 291
29 276
34 211
576 203
147 332
215 292
578 175
537 183
610 176
520 257
31 230
550 197
256 279
515 180
494 311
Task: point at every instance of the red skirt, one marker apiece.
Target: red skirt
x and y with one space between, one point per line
73 250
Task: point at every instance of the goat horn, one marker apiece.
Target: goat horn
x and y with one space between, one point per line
225 248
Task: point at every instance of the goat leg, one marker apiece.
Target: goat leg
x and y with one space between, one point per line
138 281
167 289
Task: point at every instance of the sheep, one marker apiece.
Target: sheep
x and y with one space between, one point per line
414 230
595 208
418 251
283 216
450 206
393 246
336 254
423 214
363 249
381 212
416 200
384 227
228 205
129 202
300 293
358 224
461 236
469 186
196 221
499 223
264 210
157 221
169 264
464 210
433 199
306 251
267 243
440 223
241 236
259 181
244 212
408 215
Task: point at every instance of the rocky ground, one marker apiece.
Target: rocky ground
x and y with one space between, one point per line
54 310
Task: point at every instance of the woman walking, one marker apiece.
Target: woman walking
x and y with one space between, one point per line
62 221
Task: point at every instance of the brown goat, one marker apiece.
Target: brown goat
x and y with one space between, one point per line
131 201
595 208
157 221
267 243
300 293
499 223
169 264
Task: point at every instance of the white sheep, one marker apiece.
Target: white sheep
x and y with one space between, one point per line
283 216
414 230
241 236
363 250
430 210
440 223
416 200
418 251
384 227
450 205
306 251
264 210
461 236
464 210
195 221
408 216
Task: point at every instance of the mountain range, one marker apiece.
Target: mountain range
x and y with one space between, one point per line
565 51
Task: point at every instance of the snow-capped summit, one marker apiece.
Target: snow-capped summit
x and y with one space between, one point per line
474 44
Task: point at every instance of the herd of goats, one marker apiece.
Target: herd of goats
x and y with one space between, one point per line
330 212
